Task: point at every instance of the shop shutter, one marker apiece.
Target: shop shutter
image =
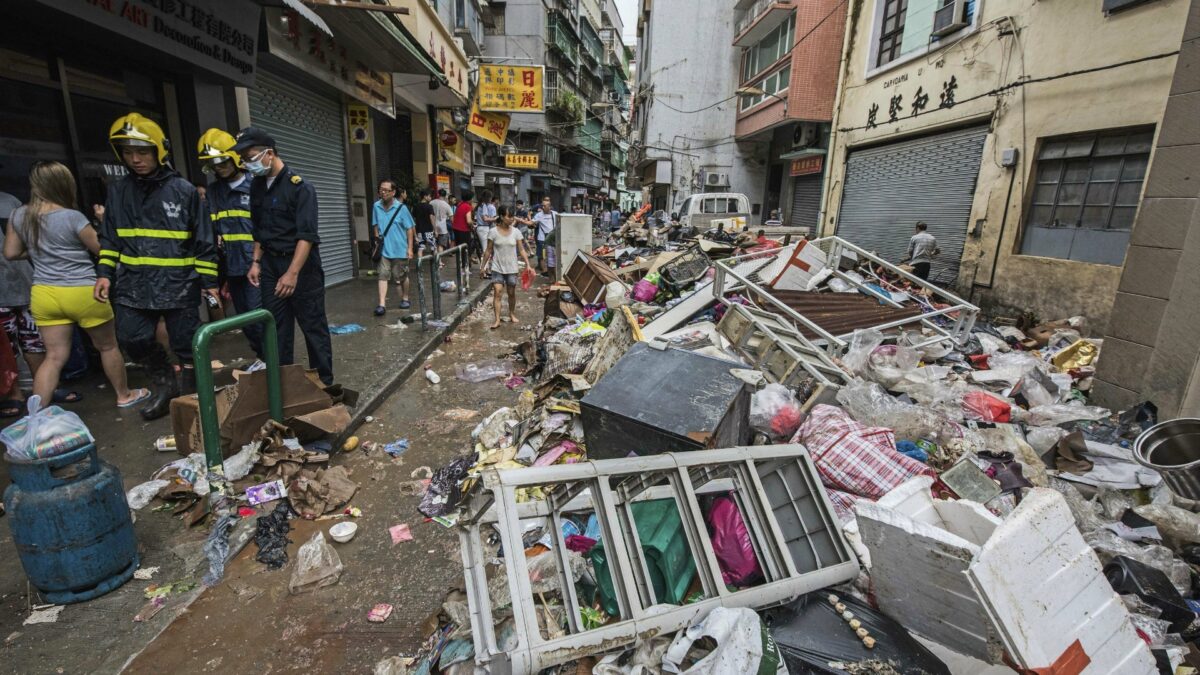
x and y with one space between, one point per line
891 187
806 202
308 129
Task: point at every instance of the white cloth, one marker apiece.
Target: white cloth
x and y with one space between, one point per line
504 250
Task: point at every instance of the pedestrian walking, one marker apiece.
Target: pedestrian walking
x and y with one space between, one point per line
522 220
60 242
614 218
922 249
228 208
485 219
443 213
426 224
460 224
393 228
505 244
156 252
545 220
287 256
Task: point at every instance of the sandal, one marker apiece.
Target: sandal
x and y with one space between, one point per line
10 409
142 396
64 396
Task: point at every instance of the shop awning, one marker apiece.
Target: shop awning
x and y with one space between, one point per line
801 154
310 16
392 47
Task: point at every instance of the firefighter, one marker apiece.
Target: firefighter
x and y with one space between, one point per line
228 209
155 254
287 260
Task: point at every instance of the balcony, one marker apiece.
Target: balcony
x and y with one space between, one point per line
468 25
761 18
561 38
588 136
593 48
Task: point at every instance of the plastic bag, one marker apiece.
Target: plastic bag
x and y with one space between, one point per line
1172 521
484 370
317 565
644 291
1109 545
889 364
45 433
774 411
1041 439
731 543
526 278
743 645
982 406
614 295
139 496
868 403
862 344
1061 413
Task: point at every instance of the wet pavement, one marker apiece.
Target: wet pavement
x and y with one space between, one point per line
250 623
100 635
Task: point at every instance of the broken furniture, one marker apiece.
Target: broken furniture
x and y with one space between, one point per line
669 400
796 539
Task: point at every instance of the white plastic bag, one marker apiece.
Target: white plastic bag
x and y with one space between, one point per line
743 646
317 565
45 433
139 496
1060 413
858 352
774 411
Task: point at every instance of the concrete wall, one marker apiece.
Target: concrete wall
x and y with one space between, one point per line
689 60
1012 39
1150 350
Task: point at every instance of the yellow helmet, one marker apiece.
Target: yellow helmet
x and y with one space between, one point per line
133 129
216 146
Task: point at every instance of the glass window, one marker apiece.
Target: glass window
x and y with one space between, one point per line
1085 195
906 26
767 52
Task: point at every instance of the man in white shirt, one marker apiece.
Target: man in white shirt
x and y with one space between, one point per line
544 220
442 213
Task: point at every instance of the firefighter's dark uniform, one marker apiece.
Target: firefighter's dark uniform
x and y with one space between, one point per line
282 214
158 251
228 209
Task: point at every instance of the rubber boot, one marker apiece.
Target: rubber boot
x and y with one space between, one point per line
187 381
165 387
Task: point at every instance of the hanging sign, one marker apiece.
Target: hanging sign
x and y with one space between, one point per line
521 161
490 126
358 121
511 88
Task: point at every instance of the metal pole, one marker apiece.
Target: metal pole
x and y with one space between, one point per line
421 295
209 425
435 284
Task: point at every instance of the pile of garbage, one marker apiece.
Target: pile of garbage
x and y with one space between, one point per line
988 512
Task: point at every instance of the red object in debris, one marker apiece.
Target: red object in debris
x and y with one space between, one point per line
979 361
246 512
984 407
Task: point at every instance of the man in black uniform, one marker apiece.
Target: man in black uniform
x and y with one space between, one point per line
287 264
155 254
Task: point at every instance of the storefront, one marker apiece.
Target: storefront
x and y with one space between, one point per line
58 100
807 177
891 187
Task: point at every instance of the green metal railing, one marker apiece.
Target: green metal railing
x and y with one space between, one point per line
209 424
560 36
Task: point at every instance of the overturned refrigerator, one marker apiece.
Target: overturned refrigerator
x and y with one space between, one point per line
631 549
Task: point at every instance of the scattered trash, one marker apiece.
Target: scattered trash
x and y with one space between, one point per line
150 610
460 414
345 329
44 432
141 495
216 549
433 377
396 447
448 286
484 370
317 566
379 613
350 444
266 492
742 645
400 533
514 382
163 590
145 573
343 532
270 536
44 614
165 443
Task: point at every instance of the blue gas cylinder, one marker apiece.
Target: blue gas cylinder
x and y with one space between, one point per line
71 525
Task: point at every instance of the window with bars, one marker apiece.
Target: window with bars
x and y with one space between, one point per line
1085 195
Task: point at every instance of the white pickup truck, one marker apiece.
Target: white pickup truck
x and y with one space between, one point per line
706 210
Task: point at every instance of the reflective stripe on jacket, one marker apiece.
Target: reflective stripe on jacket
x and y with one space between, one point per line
228 209
154 244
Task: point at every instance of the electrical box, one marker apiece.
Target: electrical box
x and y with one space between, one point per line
1008 157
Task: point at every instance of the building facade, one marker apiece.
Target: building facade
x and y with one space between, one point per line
1020 132
787 76
685 108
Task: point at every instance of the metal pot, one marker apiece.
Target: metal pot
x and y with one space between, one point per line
1172 449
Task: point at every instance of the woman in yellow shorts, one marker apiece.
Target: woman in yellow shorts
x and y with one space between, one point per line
61 242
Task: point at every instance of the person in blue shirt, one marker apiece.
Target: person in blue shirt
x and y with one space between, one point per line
393 225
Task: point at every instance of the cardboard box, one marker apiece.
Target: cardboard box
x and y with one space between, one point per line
242 408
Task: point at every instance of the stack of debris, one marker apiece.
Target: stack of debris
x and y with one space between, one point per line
813 433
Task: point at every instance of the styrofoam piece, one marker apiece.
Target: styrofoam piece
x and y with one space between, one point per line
1028 585
669 320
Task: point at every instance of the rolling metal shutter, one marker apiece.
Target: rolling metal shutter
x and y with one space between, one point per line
806 202
891 187
308 129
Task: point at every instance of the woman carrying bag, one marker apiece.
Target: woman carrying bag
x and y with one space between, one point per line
504 244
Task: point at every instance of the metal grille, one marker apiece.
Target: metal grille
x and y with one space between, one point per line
308 129
806 202
890 188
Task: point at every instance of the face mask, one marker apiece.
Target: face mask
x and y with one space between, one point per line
256 167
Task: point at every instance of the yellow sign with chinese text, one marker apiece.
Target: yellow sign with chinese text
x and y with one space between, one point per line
358 119
490 126
522 161
511 88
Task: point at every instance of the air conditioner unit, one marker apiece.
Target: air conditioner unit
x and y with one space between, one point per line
715 179
950 18
806 135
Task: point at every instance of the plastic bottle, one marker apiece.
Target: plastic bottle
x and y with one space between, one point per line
433 377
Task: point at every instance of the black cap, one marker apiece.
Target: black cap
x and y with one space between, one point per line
253 137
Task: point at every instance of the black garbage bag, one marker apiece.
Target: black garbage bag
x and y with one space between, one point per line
811 634
444 492
271 536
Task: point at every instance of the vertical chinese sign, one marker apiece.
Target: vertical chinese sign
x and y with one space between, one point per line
510 89
490 126
359 123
